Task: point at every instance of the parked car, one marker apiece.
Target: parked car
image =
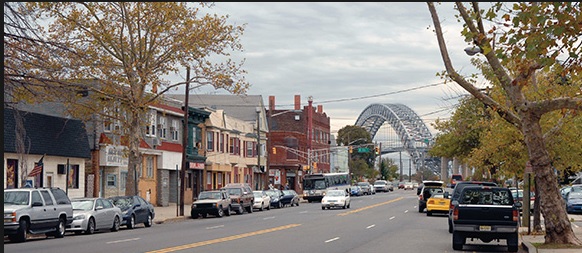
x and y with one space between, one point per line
366 188
262 200
335 198
290 197
429 188
381 186
94 214
276 196
438 203
355 190
455 178
135 210
574 202
518 197
408 186
36 211
401 185
217 203
241 196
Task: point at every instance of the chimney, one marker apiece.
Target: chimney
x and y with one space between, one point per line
319 108
271 103
297 102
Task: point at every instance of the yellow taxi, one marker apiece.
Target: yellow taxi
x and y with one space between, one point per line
438 203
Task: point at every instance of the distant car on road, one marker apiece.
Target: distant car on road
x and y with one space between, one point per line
335 198
401 185
135 210
262 200
408 186
429 188
290 197
574 202
438 203
381 186
215 202
276 196
94 214
355 190
366 188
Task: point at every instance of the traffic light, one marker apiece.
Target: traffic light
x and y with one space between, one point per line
351 149
274 150
377 149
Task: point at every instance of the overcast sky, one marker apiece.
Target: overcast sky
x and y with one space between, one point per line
348 56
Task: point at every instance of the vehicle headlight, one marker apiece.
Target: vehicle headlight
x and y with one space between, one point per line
193 205
79 217
125 212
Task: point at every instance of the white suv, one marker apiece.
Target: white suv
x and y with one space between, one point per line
36 211
381 186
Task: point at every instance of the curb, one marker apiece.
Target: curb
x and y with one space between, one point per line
529 247
168 220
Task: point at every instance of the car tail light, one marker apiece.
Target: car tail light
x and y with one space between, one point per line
430 201
456 213
515 215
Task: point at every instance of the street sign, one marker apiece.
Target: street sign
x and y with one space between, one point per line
363 150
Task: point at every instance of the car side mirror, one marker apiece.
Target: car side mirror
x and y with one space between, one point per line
518 204
37 203
98 207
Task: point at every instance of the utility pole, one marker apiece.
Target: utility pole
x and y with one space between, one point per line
309 131
184 143
258 109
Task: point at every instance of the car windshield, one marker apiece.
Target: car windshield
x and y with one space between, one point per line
380 183
272 193
335 193
84 205
258 194
486 197
209 195
16 198
288 192
575 195
123 202
234 191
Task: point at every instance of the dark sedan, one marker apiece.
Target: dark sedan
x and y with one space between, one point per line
574 202
276 196
290 197
135 210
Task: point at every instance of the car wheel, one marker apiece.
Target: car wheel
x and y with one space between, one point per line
227 213
250 208
428 213
450 226
116 224
149 221
458 241
194 215
420 208
279 205
90 226
269 206
323 208
131 222
262 207
21 233
512 243
60 229
220 212
344 207
349 205
239 210
204 215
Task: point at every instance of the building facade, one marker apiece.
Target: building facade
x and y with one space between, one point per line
299 143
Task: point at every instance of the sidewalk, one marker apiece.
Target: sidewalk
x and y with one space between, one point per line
168 213
528 240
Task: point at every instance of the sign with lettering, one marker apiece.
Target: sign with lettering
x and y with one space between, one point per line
112 155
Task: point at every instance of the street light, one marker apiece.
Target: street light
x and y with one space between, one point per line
258 110
473 50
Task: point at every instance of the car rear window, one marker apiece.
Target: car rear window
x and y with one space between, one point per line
486 196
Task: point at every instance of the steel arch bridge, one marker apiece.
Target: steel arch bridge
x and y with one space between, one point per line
414 136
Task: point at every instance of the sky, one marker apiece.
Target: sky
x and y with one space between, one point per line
347 56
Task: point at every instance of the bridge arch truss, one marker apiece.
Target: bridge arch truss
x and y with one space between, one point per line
411 130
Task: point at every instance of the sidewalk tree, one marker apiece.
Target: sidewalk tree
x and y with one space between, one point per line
528 40
128 48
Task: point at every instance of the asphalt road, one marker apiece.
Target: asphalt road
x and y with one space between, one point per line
384 222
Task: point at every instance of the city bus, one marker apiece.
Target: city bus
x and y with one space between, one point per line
316 185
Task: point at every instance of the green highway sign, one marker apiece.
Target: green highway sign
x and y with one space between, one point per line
363 150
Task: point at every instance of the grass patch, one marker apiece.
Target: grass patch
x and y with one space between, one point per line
541 245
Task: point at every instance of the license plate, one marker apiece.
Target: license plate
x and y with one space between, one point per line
484 228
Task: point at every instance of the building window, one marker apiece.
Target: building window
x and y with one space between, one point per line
111 180
292 144
175 130
150 167
249 148
151 124
74 176
162 127
210 141
221 143
123 179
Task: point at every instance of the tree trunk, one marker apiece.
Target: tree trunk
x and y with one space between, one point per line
558 227
537 227
134 161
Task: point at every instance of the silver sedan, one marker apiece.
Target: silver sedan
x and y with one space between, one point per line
94 214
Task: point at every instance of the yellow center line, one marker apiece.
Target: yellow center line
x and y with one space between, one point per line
368 207
224 239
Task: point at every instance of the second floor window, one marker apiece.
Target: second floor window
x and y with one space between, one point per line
210 141
162 127
174 129
150 167
250 148
151 124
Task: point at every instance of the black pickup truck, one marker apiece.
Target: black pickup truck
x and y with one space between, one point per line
486 213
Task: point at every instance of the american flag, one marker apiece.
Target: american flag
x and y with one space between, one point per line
37 168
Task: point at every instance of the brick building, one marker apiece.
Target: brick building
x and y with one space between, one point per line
299 143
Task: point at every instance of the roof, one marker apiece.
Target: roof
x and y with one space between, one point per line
53 136
239 106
